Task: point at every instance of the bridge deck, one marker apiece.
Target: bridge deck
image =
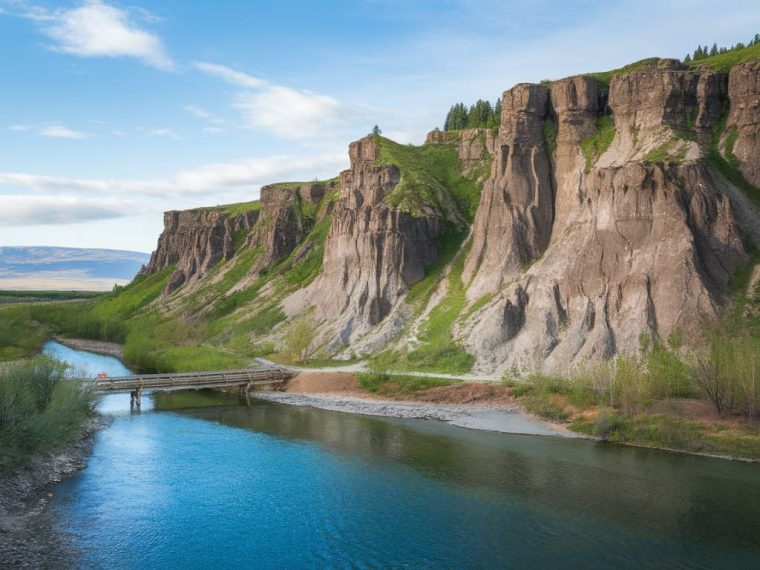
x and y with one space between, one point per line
192 380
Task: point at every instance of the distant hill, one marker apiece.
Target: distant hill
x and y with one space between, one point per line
67 268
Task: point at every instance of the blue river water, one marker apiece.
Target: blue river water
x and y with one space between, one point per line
203 480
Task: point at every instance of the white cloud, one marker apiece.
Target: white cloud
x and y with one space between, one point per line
98 29
61 132
231 75
46 210
283 111
51 130
205 180
166 133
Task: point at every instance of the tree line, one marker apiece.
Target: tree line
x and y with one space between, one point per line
481 114
703 52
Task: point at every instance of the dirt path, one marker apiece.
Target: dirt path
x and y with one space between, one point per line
361 366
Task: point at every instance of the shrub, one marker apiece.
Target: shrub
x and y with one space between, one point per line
40 409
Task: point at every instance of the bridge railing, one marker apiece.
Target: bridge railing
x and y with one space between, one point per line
191 379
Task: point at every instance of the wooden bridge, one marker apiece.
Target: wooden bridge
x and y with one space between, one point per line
246 379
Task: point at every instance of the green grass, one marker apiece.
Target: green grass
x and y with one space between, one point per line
40 410
725 61
428 174
15 297
241 208
728 165
550 135
603 78
394 385
437 351
664 153
597 143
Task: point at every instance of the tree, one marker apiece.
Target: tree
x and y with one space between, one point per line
376 130
714 49
687 59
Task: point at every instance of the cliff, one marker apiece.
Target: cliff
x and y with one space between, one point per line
196 240
596 212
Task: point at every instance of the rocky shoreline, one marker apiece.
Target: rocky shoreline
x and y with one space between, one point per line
28 538
471 416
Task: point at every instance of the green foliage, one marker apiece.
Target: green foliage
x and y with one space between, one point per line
429 174
597 143
437 350
550 135
392 385
242 208
664 153
298 342
728 165
16 297
725 58
39 409
480 115
603 78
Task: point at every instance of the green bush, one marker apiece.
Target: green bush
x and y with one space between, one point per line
387 384
40 409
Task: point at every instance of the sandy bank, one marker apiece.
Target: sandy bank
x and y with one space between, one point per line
99 346
468 405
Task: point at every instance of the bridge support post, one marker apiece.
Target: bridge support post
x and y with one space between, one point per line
134 398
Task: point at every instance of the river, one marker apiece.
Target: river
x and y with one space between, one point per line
202 480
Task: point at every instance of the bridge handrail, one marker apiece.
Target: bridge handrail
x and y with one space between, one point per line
147 381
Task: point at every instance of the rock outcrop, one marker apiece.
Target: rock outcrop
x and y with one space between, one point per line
603 217
635 245
288 212
741 139
196 240
373 252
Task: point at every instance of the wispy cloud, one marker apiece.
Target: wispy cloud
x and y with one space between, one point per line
204 180
283 111
61 132
97 29
46 210
165 133
51 130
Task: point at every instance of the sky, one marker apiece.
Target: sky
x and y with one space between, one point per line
112 112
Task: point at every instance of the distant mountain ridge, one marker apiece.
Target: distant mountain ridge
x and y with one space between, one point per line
42 267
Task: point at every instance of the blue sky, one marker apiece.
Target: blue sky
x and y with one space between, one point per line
113 111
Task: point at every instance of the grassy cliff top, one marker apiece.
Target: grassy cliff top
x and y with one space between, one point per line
428 174
723 62
242 207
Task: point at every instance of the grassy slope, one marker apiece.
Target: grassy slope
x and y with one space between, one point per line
428 172
725 61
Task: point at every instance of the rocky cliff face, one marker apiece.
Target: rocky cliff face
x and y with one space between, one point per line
642 242
195 240
741 139
373 252
603 217
287 214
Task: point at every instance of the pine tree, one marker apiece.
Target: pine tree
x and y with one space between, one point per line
376 130
714 49
687 59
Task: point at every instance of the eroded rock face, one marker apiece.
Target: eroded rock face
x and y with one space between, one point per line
650 250
373 252
513 221
626 248
287 214
195 240
744 119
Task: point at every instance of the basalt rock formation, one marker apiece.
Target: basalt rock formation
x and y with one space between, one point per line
605 211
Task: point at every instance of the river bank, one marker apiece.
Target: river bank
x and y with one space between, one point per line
28 538
476 406
97 346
